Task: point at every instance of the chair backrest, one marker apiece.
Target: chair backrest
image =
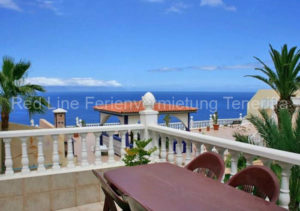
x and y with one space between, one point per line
212 164
258 180
108 190
134 204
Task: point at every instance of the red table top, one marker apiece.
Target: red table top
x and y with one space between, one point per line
164 187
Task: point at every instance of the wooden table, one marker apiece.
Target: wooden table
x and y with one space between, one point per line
164 187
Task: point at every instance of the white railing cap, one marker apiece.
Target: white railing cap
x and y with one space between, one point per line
273 154
58 131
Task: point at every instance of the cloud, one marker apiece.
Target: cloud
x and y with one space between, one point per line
217 3
49 5
45 81
9 4
177 7
206 68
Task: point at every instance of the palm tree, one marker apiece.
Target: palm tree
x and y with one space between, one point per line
284 79
12 84
284 136
35 105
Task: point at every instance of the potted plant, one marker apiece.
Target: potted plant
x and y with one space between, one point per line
138 155
215 121
207 128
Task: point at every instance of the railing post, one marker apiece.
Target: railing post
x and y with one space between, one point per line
234 162
111 152
171 150
284 197
97 149
123 144
8 159
25 161
179 152
84 154
249 159
41 159
155 138
148 116
55 156
163 151
70 156
188 152
198 148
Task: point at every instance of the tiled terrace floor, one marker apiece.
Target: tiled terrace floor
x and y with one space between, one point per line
88 207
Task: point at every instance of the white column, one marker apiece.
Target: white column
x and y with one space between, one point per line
171 150
179 152
188 152
192 122
123 143
25 161
111 152
84 154
284 197
163 151
55 156
8 159
41 159
70 156
234 162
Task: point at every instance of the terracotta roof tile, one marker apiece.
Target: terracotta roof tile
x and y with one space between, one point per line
137 106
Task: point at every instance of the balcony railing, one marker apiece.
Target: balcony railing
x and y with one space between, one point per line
147 129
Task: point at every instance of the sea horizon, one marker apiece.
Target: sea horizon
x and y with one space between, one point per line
80 104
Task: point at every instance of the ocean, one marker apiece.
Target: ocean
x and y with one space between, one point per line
80 104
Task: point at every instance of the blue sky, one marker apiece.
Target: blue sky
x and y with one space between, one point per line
204 45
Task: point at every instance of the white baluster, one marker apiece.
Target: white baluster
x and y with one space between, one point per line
98 160
234 162
70 156
111 152
163 151
135 137
198 149
155 154
41 159
171 150
202 149
55 156
284 197
221 152
179 152
25 161
8 159
123 144
84 154
188 152
249 159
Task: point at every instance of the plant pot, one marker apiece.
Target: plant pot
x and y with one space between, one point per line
216 127
199 130
207 128
76 135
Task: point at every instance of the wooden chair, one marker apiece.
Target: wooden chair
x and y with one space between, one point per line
209 163
134 204
257 180
111 195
